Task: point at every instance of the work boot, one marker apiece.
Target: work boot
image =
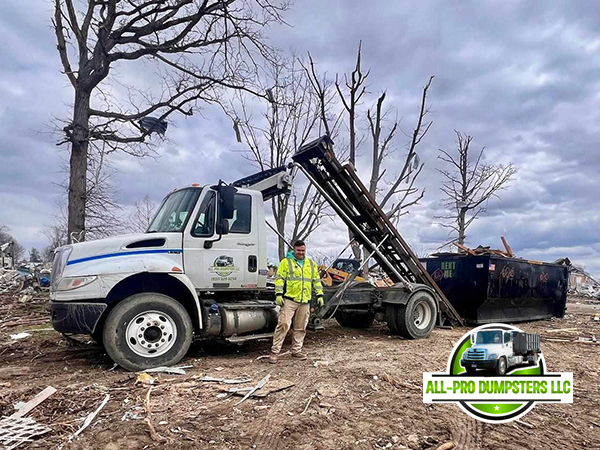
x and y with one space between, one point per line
299 355
273 358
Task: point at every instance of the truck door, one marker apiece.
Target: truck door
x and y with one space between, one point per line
230 262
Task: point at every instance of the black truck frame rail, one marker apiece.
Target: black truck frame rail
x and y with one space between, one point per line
349 197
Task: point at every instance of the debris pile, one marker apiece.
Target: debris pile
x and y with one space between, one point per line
585 290
10 280
581 283
26 279
481 250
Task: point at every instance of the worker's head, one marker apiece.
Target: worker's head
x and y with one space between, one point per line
299 249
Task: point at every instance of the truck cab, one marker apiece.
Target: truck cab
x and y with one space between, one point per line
202 244
498 350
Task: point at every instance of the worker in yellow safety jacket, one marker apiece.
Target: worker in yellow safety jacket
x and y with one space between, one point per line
296 280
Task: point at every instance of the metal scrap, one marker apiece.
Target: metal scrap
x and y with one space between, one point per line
260 384
224 380
164 369
91 417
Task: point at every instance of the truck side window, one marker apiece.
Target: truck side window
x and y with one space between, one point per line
506 338
242 214
205 223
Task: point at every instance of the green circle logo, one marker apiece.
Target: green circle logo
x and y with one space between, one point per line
497 373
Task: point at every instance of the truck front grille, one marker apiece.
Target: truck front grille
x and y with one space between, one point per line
475 354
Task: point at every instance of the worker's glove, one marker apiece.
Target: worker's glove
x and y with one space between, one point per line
320 301
279 300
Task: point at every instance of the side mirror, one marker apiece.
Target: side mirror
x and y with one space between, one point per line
226 196
473 338
222 226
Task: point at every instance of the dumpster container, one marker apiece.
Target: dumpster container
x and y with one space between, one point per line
487 288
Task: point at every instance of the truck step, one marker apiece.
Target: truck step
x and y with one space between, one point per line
251 337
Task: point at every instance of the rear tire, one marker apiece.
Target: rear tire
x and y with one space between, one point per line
164 325
534 361
416 319
355 320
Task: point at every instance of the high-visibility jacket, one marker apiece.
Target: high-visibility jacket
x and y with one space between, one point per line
296 282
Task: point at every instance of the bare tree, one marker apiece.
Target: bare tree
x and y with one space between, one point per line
322 88
293 114
355 83
142 215
398 193
401 190
57 237
468 186
194 49
102 208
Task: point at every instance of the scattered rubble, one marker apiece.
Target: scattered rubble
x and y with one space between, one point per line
198 403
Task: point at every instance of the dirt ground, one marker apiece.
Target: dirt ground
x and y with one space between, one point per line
359 389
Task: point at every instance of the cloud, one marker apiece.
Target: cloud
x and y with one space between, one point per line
521 78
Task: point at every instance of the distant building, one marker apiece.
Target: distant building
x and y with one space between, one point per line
577 279
6 259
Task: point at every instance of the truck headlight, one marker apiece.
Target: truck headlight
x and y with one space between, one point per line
58 265
70 283
493 356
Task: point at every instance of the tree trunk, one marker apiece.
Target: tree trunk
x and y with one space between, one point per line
461 226
78 166
279 213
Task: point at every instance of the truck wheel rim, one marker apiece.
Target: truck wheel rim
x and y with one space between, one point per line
422 315
502 368
151 334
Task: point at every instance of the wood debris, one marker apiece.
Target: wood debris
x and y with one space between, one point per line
310 399
155 436
398 384
446 446
35 401
13 371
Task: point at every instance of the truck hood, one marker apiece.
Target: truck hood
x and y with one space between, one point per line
491 348
125 244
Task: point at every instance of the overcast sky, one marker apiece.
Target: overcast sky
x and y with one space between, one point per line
522 77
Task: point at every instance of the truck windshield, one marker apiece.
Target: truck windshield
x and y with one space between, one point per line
174 211
489 337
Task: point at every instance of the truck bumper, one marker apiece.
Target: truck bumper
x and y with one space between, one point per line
487 364
76 318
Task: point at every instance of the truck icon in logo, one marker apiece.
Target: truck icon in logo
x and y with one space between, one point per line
224 261
499 350
223 266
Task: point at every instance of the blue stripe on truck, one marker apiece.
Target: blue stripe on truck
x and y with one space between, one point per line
110 255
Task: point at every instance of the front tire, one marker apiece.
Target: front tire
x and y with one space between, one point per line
501 367
147 330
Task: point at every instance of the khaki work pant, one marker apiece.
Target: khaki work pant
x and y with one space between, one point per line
291 314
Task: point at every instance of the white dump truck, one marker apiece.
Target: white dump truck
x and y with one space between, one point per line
499 350
200 270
